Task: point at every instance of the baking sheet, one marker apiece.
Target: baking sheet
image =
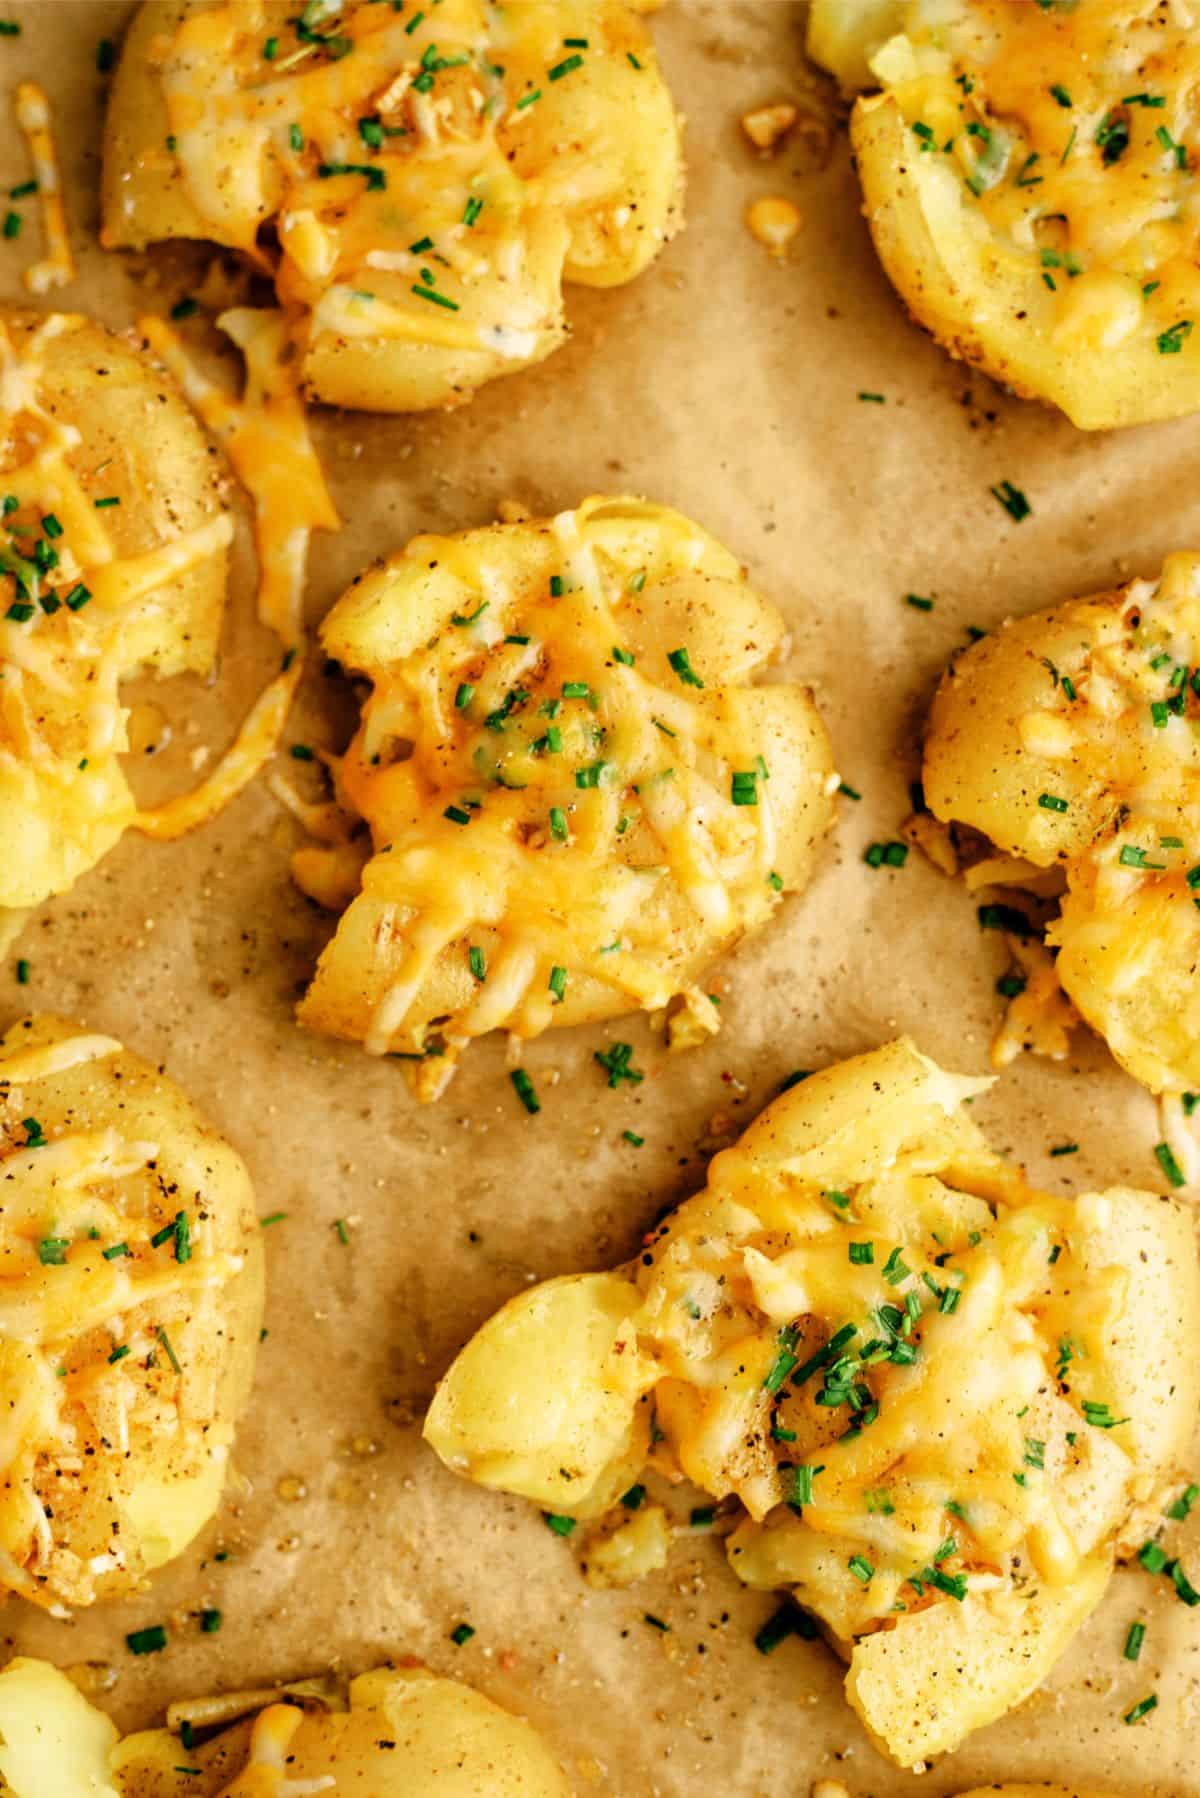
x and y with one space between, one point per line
725 384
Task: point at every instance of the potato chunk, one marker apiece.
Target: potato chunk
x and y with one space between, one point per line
53 1743
575 797
934 1395
130 1305
1029 189
113 542
1068 739
401 1733
420 186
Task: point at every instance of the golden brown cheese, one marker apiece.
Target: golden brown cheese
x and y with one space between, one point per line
575 797
1069 739
930 1397
113 548
130 1300
419 180
1030 179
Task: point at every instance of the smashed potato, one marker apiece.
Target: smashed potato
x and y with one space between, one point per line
130 1298
575 797
932 1395
396 1733
419 181
1068 740
1029 179
113 548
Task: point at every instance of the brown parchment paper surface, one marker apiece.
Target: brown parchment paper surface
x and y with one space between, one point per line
725 384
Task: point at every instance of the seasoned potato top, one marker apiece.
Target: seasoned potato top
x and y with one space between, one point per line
430 175
937 1394
574 794
1069 127
1069 739
399 1733
112 556
130 1293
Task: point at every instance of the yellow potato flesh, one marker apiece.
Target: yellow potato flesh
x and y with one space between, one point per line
64 799
157 1342
53 1743
582 183
622 856
751 1279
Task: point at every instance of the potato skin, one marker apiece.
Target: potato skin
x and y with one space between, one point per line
134 1503
444 1740
588 182
1091 346
877 1149
397 626
139 444
1061 738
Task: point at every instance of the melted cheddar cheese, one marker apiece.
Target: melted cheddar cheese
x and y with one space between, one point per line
574 796
419 181
57 267
116 1283
1095 774
101 574
1071 130
918 1387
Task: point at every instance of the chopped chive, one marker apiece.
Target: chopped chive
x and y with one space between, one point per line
375 178
272 1217
472 210
461 1634
562 1526
1134 1640
558 823
295 137
438 299
210 1622
895 1269
1171 341
52 1250
528 99
456 814
77 598
1065 1148
862 1254
1182 1506
1164 1155
918 602
616 1063
861 1568
681 663
524 1089
1050 802
565 67
111 500
1141 1709
119 1354
165 1343
632 1137
1060 94
558 983
118 1249
1012 499
743 789
477 962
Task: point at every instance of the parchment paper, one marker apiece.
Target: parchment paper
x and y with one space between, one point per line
725 384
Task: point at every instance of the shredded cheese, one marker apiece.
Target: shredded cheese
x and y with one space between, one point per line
75 617
578 809
87 1297
1070 129
429 178
57 268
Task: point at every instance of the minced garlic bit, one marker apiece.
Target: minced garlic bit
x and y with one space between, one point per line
767 126
34 117
773 222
